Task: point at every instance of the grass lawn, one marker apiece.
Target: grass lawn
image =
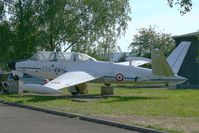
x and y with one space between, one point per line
167 110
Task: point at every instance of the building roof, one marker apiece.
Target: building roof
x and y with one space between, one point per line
187 35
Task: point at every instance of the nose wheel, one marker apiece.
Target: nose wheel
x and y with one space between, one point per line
15 77
76 91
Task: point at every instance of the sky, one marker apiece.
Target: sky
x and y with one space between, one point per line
157 12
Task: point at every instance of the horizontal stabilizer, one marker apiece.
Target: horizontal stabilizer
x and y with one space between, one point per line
160 66
135 61
176 58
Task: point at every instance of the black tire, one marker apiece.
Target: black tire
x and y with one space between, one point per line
77 91
15 77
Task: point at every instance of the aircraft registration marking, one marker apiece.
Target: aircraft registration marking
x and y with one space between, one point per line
56 82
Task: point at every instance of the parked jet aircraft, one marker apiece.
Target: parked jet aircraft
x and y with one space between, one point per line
68 69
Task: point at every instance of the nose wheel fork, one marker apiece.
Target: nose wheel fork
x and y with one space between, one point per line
15 77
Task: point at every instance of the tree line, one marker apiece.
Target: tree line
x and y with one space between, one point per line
87 26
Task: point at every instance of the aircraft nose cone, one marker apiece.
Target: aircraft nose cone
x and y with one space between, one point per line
11 65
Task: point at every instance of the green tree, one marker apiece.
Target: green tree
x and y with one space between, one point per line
6 48
184 5
84 25
20 16
122 57
105 49
148 39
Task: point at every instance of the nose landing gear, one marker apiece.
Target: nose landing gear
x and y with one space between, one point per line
107 84
15 77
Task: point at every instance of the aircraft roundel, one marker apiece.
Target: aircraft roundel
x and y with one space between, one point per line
119 77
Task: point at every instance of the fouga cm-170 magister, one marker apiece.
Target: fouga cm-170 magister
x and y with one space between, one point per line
73 70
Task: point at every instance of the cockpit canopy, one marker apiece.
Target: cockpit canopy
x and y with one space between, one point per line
61 56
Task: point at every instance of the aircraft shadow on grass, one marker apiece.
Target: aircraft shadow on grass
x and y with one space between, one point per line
130 98
38 98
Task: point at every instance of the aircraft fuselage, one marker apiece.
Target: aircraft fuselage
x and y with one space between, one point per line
110 72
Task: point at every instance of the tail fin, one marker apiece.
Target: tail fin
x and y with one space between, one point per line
160 65
176 58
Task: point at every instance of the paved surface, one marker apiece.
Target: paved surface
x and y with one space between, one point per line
20 120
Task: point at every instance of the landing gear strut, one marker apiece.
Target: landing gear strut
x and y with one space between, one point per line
107 84
15 77
166 84
78 89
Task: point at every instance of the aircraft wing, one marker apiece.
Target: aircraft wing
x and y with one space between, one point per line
70 79
65 80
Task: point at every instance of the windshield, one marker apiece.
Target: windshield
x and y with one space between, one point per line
84 57
67 56
38 57
61 56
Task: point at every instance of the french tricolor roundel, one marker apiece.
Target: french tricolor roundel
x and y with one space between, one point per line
119 77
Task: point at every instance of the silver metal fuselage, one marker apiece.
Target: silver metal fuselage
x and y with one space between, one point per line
109 72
